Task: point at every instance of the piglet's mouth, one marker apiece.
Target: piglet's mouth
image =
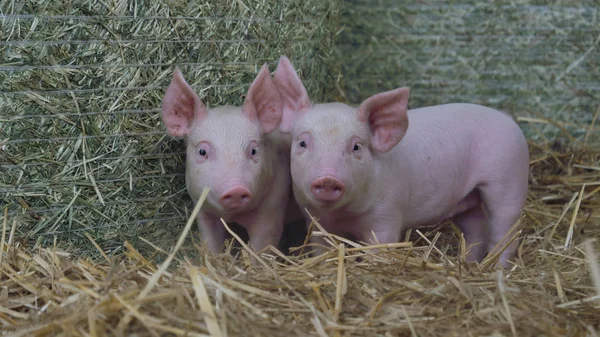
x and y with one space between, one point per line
325 204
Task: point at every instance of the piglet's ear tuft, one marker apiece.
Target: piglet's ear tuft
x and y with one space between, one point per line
387 116
263 101
293 93
181 106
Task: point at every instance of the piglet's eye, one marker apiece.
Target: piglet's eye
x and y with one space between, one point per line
252 150
356 147
302 143
202 152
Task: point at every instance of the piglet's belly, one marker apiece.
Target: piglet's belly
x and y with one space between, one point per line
470 201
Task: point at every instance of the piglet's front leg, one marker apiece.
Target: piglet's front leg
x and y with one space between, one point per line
384 235
266 230
318 244
212 231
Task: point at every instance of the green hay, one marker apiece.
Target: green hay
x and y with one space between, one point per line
82 144
530 58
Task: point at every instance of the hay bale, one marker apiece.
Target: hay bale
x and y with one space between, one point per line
82 148
421 289
532 58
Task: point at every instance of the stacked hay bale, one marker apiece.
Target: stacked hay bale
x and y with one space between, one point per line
538 59
83 149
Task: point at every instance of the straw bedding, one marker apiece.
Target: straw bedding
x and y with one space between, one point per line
418 288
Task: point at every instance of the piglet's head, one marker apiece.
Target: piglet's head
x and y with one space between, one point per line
335 146
226 147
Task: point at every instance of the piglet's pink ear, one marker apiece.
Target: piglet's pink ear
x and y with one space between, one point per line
386 114
263 101
180 106
294 95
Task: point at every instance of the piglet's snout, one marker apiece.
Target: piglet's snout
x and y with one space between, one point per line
327 189
235 197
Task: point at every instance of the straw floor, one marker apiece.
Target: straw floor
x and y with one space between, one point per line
417 288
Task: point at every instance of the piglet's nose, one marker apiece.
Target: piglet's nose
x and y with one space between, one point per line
327 189
235 197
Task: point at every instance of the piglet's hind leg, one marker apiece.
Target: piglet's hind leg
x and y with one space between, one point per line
504 209
473 224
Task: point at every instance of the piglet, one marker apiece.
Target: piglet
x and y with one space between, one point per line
239 154
380 168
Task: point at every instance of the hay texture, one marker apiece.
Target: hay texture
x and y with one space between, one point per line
420 287
82 148
533 58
